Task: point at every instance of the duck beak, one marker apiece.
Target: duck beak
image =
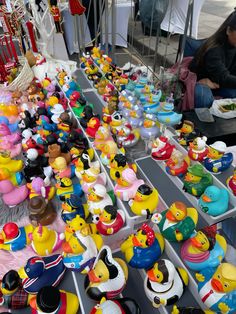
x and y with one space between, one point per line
136 241
151 275
33 303
170 216
137 198
22 273
92 277
187 178
217 285
206 199
66 247
195 243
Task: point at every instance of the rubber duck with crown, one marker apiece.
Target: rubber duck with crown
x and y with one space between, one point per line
164 283
90 177
177 164
197 180
71 207
178 222
117 306
186 133
118 164
161 148
198 149
217 159
205 248
217 288
108 276
214 201
231 182
142 249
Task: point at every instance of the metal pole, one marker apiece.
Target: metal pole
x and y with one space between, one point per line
113 37
100 21
82 32
95 21
106 26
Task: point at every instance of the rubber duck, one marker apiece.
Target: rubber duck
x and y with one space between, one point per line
61 169
145 201
214 201
11 292
165 284
119 163
117 122
13 195
60 76
108 276
161 148
142 249
135 117
31 143
127 136
41 271
87 114
189 310
217 160
167 116
79 224
14 238
109 150
197 149
110 221
84 163
90 177
204 249
107 112
45 241
92 127
13 127
149 129
196 180
14 149
217 288
178 222
39 187
81 250
10 164
177 164
186 133
98 198
15 178
127 185
65 188
54 151
71 207
102 135
231 182
50 300
117 306
41 211
110 93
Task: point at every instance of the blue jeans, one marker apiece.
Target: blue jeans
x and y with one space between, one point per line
204 96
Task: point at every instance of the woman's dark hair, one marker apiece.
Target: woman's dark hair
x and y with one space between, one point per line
219 38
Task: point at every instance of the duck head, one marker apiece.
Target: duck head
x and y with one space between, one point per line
199 143
216 150
200 242
109 214
97 193
224 279
103 132
143 193
116 119
34 268
41 234
59 164
162 272
211 194
187 127
74 245
177 212
93 123
190 177
76 224
144 237
9 231
176 158
10 283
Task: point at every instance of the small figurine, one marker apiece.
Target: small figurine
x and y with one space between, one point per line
217 288
127 185
65 188
186 133
145 201
149 129
87 114
119 163
41 211
127 137
102 135
38 187
165 284
10 164
231 182
41 271
71 207
109 150
110 221
98 198
198 149
161 148
90 177
142 249
61 169
136 116
56 17
107 112
108 276
197 180
178 222
214 201
14 238
204 249
13 195
217 160
92 127
50 300
177 164
117 306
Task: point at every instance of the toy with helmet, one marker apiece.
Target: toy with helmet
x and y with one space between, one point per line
144 248
161 148
117 306
177 164
71 207
198 149
65 188
41 211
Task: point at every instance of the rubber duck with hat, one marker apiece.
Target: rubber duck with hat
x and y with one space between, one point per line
166 115
84 163
186 133
197 180
164 283
205 248
119 163
108 276
14 238
162 148
65 188
117 122
127 185
117 306
86 115
41 271
231 182
93 126
61 169
98 198
41 211
71 207
197 149
177 164
90 177
189 310
217 288
217 159
214 201
143 248
109 150
145 201
149 129
178 222
50 300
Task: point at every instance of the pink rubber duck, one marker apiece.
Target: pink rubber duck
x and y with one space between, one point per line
13 195
6 133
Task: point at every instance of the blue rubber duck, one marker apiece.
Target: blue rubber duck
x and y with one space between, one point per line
214 201
13 127
167 116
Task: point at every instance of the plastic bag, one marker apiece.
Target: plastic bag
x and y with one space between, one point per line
222 108
152 12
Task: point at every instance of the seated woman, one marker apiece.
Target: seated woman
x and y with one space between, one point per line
215 65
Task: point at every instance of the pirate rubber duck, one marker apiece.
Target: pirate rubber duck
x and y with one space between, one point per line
71 207
108 276
41 211
117 306
204 249
165 283
177 223
217 159
90 177
65 188
142 249
161 148
177 164
41 271
231 182
198 149
186 133
119 163
196 180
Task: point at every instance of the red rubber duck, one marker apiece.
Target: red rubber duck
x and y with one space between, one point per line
92 127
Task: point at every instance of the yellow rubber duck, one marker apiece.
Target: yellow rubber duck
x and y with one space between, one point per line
85 162
79 224
98 198
181 310
118 164
9 110
185 132
10 164
109 150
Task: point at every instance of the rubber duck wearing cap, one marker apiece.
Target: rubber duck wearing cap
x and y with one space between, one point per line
214 201
204 249
108 276
196 180
178 222
145 201
71 207
161 148
92 127
90 177
117 306
65 188
50 300
10 164
165 284
217 160
119 163
142 249
231 182
14 238
177 164
41 271
186 133
217 288
102 135
198 149
109 150
189 310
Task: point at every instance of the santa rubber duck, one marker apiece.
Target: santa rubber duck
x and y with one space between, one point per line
198 149
161 148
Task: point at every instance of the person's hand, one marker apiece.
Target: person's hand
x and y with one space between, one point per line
209 83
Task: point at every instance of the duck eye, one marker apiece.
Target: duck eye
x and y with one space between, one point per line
81 224
158 276
225 285
100 276
177 214
218 276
